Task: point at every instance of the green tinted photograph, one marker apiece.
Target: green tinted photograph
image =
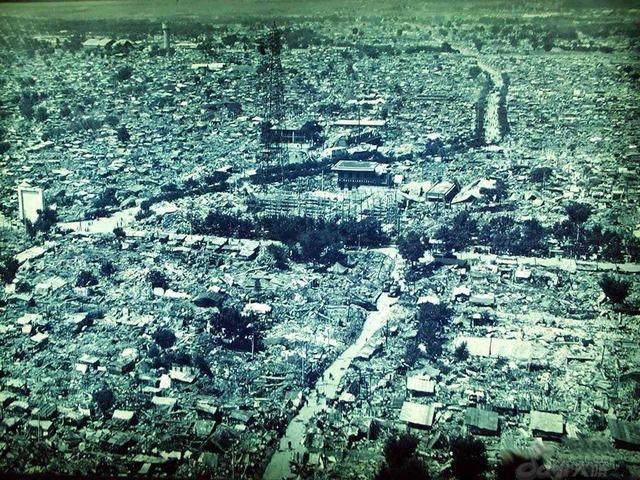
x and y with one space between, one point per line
320 239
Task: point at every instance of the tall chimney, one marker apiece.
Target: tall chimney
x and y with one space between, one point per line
165 35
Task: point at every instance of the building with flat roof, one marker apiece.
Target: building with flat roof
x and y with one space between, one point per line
355 173
442 191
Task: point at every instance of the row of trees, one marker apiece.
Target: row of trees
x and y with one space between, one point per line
507 236
503 119
481 110
469 459
274 173
311 239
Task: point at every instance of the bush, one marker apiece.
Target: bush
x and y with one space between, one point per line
412 354
412 469
28 100
400 461
240 332
201 364
112 120
461 353
124 73
511 464
107 268
65 111
164 337
8 268
321 246
506 236
366 232
86 123
540 174
47 218
123 134
474 71
158 280
469 459
280 256
398 450
106 199
41 114
615 289
104 399
596 421
86 279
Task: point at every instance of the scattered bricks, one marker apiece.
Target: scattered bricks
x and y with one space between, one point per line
19 406
89 360
183 375
73 416
209 460
82 368
11 423
165 382
122 366
173 455
151 390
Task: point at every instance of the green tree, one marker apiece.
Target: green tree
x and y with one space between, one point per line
320 246
469 459
411 247
400 460
616 289
460 233
541 175
123 134
432 319
124 73
104 399
164 337
578 213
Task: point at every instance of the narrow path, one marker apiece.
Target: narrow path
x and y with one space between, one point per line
291 447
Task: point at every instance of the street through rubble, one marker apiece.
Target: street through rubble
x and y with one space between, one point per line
291 448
